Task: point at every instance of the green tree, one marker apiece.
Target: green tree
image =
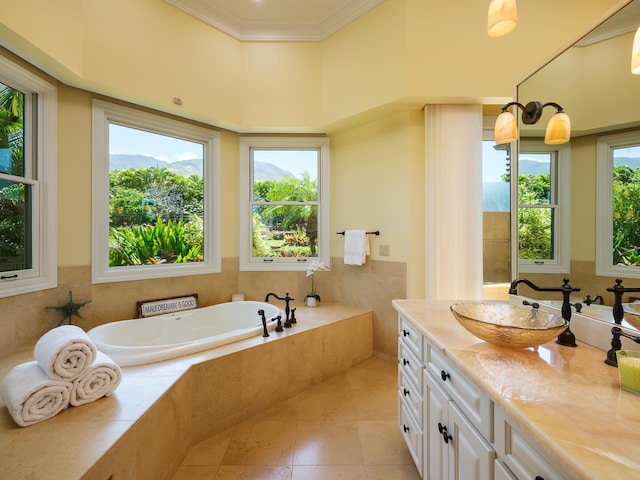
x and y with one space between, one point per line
291 217
534 223
156 216
13 216
139 196
626 207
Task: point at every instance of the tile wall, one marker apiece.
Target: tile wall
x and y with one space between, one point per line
24 318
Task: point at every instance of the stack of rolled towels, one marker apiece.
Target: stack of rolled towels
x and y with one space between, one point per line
67 370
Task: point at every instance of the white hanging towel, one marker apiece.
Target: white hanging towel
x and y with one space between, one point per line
356 247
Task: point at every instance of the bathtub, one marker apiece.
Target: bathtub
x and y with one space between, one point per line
162 337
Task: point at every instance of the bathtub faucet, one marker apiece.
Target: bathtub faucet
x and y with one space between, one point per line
287 310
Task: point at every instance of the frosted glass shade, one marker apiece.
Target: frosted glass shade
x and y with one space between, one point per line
558 129
635 54
506 129
502 18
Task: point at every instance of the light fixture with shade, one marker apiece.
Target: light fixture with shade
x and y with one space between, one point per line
558 129
635 54
502 17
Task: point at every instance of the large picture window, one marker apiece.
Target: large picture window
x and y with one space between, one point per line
618 204
284 202
155 196
28 132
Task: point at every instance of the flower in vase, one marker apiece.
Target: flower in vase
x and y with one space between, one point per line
314 267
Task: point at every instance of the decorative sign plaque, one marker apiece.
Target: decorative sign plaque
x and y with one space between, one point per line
149 308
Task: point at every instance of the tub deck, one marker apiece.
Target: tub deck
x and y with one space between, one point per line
159 410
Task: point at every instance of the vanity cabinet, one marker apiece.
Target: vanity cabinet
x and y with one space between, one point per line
410 400
454 431
454 448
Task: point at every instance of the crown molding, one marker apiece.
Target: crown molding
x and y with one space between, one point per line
274 30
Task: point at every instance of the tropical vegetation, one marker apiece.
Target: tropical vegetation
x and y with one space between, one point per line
534 219
155 217
626 208
285 220
13 212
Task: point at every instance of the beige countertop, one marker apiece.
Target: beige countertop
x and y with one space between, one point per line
567 399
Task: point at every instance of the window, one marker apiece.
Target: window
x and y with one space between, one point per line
543 208
155 196
284 217
496 210
28 161
618 204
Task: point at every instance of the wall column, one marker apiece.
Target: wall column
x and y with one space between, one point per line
453 184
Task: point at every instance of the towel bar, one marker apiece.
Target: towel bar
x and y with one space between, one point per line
377 232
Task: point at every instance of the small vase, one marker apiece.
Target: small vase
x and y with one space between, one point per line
311 301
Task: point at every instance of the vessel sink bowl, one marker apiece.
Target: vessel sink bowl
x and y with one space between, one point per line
632 314
508 325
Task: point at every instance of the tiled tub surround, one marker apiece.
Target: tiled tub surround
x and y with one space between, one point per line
24 318
160 410
565 399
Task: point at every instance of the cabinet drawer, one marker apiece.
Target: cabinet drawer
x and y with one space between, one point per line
410 365
411 432
469 398
518 453
411 395
410 336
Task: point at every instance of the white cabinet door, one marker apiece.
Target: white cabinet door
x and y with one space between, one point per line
436 415
453 448
470 456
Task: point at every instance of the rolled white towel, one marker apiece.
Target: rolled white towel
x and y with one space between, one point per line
101 380
31 396
65 352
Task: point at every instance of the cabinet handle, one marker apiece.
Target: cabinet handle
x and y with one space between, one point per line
405 361
406 333
405 428
405 392
444 375
445 434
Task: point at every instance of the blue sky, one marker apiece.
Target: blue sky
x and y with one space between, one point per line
493 163
130 141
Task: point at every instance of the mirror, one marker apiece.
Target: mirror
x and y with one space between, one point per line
592 81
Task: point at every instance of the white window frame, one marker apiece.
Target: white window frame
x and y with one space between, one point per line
560 183
41 161
247 261
105 113
604 204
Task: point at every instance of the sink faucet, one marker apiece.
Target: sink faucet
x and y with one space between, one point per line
618 314
588 300
566 338
287 310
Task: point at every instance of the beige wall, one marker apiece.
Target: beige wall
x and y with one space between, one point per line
365 86
383 155
402 53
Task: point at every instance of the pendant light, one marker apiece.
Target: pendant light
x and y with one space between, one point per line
502 18
635 54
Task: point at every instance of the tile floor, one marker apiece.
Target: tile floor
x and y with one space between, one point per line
342 429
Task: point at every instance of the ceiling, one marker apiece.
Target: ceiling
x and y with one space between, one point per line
277 20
